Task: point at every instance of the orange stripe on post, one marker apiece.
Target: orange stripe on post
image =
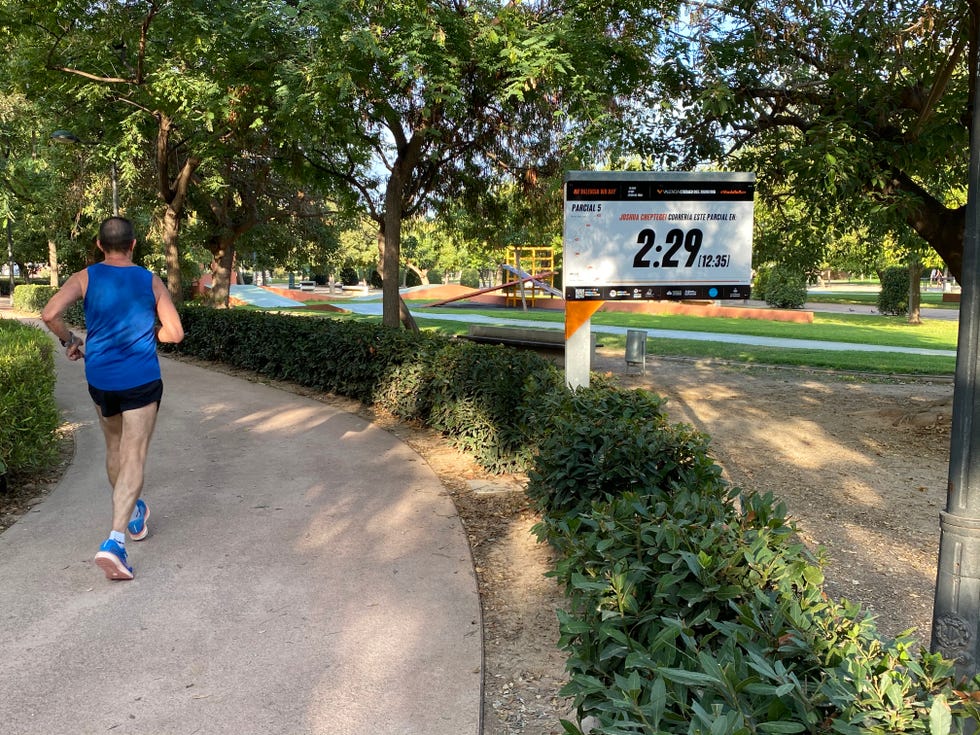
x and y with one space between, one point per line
578 313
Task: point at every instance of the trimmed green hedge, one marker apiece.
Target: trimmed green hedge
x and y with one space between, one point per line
32 298
785 288
893 298
482 397
597 442
28 415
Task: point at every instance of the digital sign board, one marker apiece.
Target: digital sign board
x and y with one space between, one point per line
657 236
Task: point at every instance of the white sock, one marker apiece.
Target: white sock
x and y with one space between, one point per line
118 536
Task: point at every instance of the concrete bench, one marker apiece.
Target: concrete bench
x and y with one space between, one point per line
530 337
307 285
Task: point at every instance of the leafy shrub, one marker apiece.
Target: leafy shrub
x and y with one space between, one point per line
761 281
894 295
692 606
347 358
695 615
456 387
470 277
598 443
75 316
435 277
28 415
32 299
785 288
348 276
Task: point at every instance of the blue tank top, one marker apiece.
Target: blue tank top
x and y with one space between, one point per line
120 317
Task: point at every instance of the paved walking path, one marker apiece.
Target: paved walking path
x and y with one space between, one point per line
262 297
305 573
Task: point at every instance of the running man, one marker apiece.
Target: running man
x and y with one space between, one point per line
123 305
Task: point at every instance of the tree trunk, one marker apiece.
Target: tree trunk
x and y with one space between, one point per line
175 195
230 220
915 291
390 255
53 263
381 249
171 233
409 151
221 267
941 227
422 273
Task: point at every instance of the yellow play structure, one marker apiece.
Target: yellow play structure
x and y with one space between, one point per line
529 274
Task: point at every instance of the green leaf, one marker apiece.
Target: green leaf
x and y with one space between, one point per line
689 678
783 689
940 716
813 575
658 701
782 727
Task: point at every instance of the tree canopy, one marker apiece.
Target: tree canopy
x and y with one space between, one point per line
255 124
413 105
858 110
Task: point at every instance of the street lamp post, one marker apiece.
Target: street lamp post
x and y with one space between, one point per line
10 243
10 258
956 612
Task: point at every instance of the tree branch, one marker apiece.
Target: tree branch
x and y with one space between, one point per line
939 85
144 32
93 77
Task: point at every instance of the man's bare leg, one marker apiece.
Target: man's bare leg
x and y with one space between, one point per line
112 431
127 438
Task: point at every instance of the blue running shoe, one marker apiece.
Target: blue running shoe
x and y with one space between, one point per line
112 560
137 526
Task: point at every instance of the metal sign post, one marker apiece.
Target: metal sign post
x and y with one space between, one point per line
648 235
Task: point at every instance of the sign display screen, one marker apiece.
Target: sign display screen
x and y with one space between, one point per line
657 236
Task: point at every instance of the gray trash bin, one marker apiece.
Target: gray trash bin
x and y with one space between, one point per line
636 347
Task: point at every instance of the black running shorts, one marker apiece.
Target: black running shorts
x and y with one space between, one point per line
113 402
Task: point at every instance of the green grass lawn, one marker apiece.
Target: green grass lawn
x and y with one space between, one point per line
932 299
847 328
855 328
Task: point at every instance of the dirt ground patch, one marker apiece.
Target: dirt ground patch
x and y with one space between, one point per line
862 477
860 463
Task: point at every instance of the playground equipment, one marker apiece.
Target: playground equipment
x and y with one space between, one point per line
520 287
515 278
